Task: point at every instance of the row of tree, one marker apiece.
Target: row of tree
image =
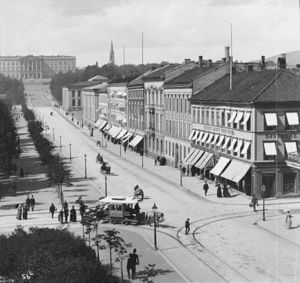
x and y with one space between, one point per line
114 73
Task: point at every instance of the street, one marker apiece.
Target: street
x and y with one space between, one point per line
223 246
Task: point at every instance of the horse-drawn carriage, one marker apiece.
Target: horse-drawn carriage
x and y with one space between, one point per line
105 168
121 209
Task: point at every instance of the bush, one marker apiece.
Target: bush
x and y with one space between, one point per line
50 255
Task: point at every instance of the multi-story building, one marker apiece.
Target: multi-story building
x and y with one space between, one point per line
249 132
177 93
36 67
117 94
154 104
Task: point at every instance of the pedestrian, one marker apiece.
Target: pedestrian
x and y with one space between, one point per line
254 202
155 161
52 209
73 214
66 205
25 211
19 212
32 203
188 170
15 187
137 208
225 192
66 213
205 187
82 209
219 191
21 172
28 201
132 262
288 220
61 216
187 226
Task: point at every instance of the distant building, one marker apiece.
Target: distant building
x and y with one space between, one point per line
112 54
36 67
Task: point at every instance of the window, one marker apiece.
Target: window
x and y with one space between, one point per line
202 116
270 150
291 120
198 114
270 121
290 147
223 118
207 115
212 117
194 115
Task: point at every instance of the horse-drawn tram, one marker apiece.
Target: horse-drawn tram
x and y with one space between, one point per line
121 209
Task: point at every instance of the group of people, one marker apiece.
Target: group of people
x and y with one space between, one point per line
63 215
223 191
24 208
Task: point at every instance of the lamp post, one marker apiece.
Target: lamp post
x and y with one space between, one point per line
142 155
60 142
154 210
70 146
263 190
180 172
85 175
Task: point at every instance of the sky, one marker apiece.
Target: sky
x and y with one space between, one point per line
173 30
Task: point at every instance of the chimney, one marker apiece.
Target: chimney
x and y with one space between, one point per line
263 62
209 62
281 62
223 60
227 53
187 61
200 61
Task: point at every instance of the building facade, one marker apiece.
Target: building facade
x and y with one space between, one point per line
249 131
36 67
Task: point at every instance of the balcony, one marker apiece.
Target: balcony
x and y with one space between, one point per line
293 160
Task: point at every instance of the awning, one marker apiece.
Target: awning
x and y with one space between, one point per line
271 119
239 146
204 137
270 148
236 171
233 142
195 135
107 127
246 118
98 123
233 114
192 134
200 137
189 155
116 132
206 160
292 118
136 140
127 137
238 117
291 147
121 134
112 130
215 139
210 138
197 157
226 142
102 125
192 156
220 140
220 166
245 148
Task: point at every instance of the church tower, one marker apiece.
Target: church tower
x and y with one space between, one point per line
112 54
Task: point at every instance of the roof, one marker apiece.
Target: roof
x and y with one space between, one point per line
253 87
118 200
83 84
157 74
124 84
186 78
98 78
139 80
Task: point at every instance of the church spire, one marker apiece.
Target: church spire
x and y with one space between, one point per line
112 54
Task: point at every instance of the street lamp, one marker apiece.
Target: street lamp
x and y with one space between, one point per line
180 172
60 142
142 154
70 145
85 175
120 147
154 210
263 190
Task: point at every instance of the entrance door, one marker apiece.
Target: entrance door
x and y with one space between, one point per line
269 181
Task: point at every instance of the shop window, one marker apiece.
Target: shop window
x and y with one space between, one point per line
289 182
268 180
